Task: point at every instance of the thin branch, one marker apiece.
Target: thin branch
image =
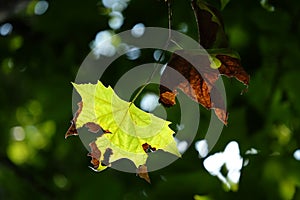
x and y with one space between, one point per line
161 55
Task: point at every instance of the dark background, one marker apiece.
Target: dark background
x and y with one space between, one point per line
42 54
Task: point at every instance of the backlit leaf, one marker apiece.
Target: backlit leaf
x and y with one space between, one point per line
127 129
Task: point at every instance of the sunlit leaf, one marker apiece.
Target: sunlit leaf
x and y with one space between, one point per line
127 129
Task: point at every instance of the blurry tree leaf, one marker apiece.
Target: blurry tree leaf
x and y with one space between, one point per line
198 82
129 132
224 3
210 25
266 5
201 197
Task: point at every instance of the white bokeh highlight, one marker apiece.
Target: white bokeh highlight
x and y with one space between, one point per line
6 29
133 53
138 30
41 7
116 20
202 148
102 45
230 158
297 154
18 133
182 145
149 102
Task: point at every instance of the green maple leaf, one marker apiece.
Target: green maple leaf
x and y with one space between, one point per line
127 128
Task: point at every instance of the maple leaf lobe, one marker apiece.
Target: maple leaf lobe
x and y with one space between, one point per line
72 129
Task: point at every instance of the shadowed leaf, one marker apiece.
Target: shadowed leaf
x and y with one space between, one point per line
198 82
210 25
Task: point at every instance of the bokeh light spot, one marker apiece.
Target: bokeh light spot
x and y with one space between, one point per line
35 138
116 20
183 27
297 154
41 7
6 29
18 133
119 6
18 152
202 148
102 45
109 3
233 162
60 181
158 55
7 65
238 37
138 30
182 146
16 42
133 53
149 102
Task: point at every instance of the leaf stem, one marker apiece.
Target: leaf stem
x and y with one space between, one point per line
161 55
150 77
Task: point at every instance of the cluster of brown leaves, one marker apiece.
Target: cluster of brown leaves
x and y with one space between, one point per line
194 74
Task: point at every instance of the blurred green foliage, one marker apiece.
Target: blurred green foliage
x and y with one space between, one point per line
41 55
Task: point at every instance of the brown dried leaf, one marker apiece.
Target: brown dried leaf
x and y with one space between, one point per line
195 81
231 67
210 25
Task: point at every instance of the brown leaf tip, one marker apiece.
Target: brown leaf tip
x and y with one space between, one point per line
222 115
72 129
